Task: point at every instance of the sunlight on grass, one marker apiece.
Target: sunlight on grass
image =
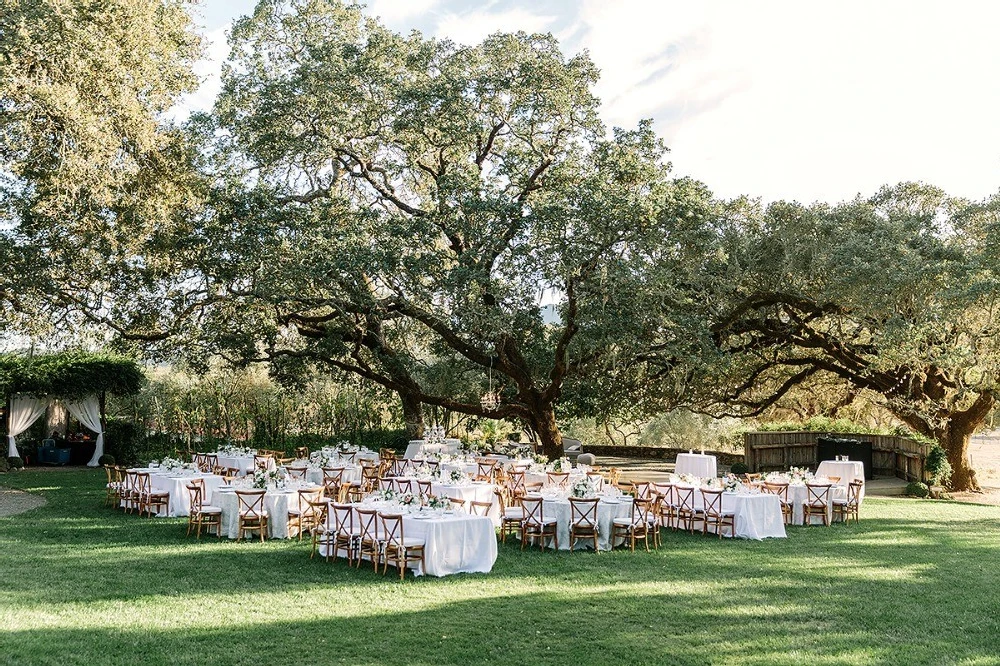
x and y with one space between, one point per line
89 585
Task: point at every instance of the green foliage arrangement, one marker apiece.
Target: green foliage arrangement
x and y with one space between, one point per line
739 468
73 374
106 459
938 467
917 489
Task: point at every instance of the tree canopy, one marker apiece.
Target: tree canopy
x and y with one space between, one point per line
895 294
404 209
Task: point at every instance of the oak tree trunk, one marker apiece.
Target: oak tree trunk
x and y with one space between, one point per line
544 424
413 416
955 441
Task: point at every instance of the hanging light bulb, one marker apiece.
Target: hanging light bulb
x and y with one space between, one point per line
491 399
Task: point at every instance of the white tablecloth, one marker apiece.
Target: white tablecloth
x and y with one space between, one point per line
542 477
847 470
418 448
276 503
459 543
176 485
480 492
352 474
797 495
700 465
756 516
607 511
242 463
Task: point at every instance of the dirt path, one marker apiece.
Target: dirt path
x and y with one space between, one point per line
13 502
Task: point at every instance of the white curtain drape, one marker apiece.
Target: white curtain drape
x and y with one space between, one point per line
24 410
88 413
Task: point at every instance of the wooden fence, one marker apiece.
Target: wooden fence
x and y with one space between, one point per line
777 451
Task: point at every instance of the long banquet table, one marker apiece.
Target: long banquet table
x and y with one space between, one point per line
558 507
276 503
176 486
454 542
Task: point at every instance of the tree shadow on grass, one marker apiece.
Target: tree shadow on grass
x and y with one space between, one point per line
897 589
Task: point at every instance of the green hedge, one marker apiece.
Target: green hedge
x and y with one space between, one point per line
128 444
69 374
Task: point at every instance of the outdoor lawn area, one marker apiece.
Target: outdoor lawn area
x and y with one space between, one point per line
914 583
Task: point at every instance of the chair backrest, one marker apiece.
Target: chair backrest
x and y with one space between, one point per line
302 452
477 508
386 454
368 521
424 487
643 490
195 496
779 489
666 494
263 461
711 502
583 511
404 485
333 476
457 503
598 480
307 495
250 502
854 492
640 510
317 509
818 494
296 472
684 497
109 471
501 500
515 481
397 467
392 528
386 483
533 509
485 467
343 518
557 479
143 483
131 482
433 464
663 490
349 457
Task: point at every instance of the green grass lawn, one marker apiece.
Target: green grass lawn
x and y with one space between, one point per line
916 582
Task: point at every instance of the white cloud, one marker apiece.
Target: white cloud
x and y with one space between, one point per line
804 100
473 26
209 72
394 12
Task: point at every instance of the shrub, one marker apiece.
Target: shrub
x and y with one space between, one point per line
4 466
739 468
15 462
937 466
106 459
917 489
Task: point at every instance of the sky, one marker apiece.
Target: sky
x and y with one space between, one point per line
805 100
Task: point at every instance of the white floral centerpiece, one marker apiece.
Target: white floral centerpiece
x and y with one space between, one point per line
457 477
438 502
731 483
799 474
408 499
233 451
263 478
584 488
560 465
